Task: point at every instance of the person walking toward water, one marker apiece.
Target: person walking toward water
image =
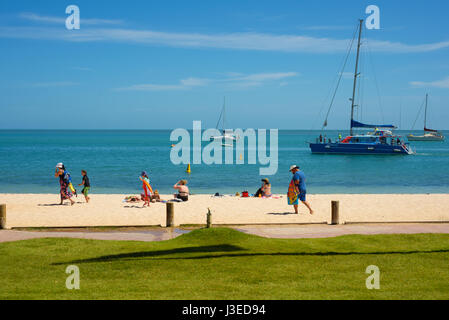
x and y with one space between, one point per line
297 189
86 185
64 180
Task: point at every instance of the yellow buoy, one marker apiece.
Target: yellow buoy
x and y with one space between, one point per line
188 168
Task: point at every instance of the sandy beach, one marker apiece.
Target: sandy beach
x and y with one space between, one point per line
42 210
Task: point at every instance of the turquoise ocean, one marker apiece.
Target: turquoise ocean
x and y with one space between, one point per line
115 158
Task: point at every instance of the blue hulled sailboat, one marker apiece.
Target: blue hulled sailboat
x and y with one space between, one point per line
380 141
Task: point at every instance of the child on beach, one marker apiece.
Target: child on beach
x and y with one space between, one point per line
86 184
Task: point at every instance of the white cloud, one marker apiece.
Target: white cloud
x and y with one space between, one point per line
266 76
251 80
153 87
38 18
235 41
347 75
444 83
194 82
329 27
61 20
54 84
258 79
82 68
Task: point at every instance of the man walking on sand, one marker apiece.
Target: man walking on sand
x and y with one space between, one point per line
297 189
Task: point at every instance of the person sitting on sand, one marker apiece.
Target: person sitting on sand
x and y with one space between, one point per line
63 176
183 190
297 189
133 198
264 190
156 197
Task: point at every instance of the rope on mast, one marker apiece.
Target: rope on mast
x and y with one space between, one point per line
375 80
221 115
339 79
419 112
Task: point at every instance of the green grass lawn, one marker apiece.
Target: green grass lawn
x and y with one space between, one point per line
222 263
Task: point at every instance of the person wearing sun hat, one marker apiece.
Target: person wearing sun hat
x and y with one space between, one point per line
297 189
64 181
183 190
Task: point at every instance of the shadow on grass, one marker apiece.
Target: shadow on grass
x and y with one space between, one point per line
292 254
146 254
230 248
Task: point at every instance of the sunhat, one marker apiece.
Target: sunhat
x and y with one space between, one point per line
293 167
266 180
59 165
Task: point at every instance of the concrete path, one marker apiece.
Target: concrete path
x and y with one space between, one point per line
327 231
287 232
151 235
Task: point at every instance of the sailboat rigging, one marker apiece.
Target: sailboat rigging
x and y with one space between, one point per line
380 141
225 134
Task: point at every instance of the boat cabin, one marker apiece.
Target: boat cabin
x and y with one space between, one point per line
373 139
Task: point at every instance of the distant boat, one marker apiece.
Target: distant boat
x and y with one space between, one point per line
429 134
380 142
225 135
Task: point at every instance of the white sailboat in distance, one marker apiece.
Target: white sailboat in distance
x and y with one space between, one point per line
225 136
429 134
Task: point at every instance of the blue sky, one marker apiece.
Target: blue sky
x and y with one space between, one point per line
163 64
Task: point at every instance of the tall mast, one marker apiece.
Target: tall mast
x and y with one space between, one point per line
224 114
425 112
356 74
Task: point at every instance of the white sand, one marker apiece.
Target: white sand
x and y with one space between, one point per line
41 210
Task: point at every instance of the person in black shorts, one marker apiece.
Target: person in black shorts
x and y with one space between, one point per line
86 184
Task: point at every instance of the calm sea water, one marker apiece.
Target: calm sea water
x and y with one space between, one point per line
114 160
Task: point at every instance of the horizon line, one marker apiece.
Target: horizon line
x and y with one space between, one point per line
189 129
